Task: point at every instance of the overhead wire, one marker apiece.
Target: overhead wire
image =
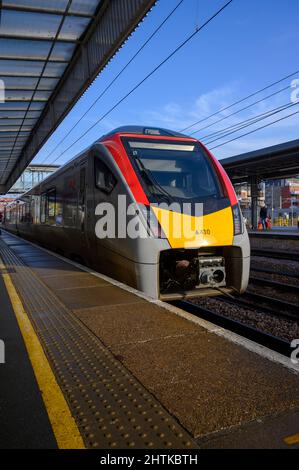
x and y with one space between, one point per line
256 130
150 74
242 109
246 123
241 100
107 88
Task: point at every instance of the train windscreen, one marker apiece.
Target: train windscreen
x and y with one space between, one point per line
179 170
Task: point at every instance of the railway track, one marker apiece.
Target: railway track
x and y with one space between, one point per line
283 287
277 273
265 304
276 254
256 302
258 336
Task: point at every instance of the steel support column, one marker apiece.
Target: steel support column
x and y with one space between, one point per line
254 189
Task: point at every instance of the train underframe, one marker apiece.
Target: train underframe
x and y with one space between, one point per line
203 272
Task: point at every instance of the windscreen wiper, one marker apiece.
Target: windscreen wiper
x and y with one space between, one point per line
153 181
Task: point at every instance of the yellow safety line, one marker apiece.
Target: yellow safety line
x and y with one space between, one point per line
63 424
291 440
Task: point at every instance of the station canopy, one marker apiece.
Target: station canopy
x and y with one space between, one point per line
278 161
50 52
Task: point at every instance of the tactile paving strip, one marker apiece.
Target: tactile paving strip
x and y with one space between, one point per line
111 408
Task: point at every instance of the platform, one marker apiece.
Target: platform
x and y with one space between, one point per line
128 372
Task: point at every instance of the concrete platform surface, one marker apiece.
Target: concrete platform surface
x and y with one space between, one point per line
223 394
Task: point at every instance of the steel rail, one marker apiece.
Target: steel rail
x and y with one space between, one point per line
264 304
275 285
275 254
278 273
258 336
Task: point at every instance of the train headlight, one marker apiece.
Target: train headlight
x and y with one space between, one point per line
238 220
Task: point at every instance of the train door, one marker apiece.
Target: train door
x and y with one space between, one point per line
105 203
81 219
17 217
115 251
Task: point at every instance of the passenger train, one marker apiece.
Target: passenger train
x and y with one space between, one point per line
164 175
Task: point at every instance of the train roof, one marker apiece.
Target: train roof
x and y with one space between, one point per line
137 130
144 130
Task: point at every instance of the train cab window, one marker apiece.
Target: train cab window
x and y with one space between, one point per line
104 178
178 170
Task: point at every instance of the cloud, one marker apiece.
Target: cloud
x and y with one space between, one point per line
213 100
176 116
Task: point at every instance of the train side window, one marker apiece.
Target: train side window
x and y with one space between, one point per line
27 212
43 205
51 206
18 214
81 200
82 186
104 178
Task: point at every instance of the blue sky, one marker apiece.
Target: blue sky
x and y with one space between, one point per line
250 45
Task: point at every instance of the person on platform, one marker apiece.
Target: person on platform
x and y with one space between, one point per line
264 216
269 222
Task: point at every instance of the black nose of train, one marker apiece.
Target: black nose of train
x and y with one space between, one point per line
182 268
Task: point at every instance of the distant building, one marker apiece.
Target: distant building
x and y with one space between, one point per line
281 197
290 194
243 192
282 193
33 175
243 195
273 193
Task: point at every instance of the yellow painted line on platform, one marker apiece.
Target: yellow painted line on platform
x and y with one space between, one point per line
63 424
291 440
